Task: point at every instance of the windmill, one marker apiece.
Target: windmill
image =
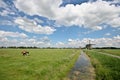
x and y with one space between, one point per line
89 46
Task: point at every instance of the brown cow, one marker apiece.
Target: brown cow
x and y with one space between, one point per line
25 53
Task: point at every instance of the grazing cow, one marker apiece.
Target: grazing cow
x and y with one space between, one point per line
25 53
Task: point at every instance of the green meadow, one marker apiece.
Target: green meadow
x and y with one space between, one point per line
55 64
106 67
40 64
111 51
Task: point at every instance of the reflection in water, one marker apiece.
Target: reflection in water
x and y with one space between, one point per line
83 69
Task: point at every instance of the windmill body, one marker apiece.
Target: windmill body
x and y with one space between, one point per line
89 46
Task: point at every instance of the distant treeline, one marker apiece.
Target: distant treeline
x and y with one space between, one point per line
106 48
23 47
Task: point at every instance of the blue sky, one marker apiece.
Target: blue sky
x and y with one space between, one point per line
59 23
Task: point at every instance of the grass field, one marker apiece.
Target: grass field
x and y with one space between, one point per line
106 67
41 64
110 51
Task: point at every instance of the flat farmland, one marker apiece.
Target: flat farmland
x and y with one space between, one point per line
110 51
40 64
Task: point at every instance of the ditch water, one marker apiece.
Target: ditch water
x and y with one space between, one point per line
82 69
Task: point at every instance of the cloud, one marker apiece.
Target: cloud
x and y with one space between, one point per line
45 39
27 42
2 4
117 37
100 42
12 34
36 42
6 9
60 45
38 20
36 7
31 26
6 22
3 39
46 42
4 13
91 15
76 42
115 22
107 42
107 34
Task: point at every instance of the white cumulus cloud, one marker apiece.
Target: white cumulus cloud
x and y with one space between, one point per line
44 8
91 15
46 42
12 34
31 26
60 45
27 42
99 42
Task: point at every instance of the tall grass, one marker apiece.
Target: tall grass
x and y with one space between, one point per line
106 67
41 64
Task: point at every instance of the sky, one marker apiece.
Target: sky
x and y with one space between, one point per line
59 23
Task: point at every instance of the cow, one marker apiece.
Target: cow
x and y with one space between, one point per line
25 53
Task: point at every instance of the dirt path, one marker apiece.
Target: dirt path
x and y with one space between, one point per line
110 55
82 69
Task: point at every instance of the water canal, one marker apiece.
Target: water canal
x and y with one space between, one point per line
82 70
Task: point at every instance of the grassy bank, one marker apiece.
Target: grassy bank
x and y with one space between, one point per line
106 67
41 64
